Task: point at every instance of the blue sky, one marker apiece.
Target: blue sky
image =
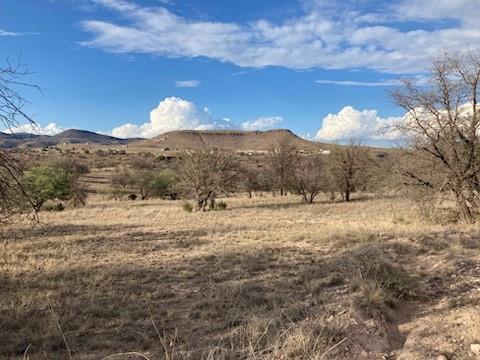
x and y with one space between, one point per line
140 68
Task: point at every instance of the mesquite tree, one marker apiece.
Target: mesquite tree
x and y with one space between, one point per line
442 129
349 169
309 177
281 162
12 195
205 175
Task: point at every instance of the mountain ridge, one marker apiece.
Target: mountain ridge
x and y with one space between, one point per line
197 140
70 136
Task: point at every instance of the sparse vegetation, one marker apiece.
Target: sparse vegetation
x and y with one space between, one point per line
257 286
187 206
378 275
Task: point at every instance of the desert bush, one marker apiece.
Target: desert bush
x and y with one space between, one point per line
79 194
309 340
71 166
220 205
44 183
75 170
253 180
309 178
348 167
186 206
143 162
53 206
281 162
151 183
205 175
377 281
166 184
120 178
132 197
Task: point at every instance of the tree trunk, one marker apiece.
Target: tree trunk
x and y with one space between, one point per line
462 205
201 204
211 204
305 197
347 195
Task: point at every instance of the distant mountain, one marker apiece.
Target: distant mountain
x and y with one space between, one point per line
72 136
235 140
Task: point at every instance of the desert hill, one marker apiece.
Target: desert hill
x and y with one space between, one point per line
235 140
72 136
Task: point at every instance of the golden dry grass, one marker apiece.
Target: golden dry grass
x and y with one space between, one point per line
270 278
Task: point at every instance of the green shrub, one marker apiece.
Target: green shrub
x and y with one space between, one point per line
220 205
188 207
211 205
43 183
53 206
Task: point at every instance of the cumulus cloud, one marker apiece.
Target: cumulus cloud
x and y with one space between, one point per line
331 35
187 83
364 125
175 113
50 129
262 123
171 114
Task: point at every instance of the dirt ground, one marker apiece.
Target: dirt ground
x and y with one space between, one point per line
269 278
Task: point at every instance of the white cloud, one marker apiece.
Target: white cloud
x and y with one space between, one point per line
8 33
332 35
350 123
187 83
171 114
174 113
50 129
419 80
262 123
359 83
11 33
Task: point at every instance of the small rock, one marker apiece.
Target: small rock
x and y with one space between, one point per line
475 348
441 357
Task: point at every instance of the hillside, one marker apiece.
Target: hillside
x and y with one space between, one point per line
72 136
227 140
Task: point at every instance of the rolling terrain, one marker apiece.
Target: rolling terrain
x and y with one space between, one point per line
72 136
182 140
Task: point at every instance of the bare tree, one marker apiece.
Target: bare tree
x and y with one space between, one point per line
441 127
12 195
309 177
281 161
253 179
349 168
205 175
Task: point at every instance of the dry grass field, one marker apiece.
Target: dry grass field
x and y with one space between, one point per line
269 278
